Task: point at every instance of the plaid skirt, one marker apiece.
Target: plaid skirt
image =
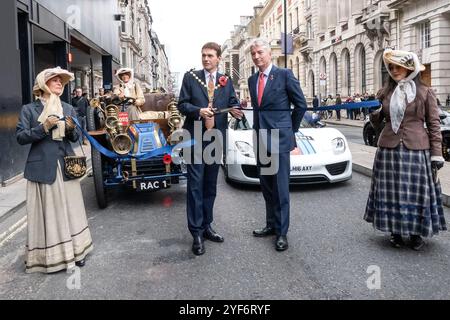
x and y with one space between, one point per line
403 198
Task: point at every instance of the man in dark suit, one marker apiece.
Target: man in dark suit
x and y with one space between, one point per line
202 93
81 105
273 90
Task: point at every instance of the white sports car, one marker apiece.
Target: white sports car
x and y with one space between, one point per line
322 154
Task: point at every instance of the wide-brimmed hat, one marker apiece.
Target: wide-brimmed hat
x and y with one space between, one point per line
123 71
44 76
403 59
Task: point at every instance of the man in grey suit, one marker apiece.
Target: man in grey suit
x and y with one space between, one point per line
273 90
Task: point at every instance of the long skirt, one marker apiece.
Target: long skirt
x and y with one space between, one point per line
404 199
58 232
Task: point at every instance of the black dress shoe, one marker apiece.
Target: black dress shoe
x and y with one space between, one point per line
80 263
198 248
396 241
281 244
416 242
264 232
211 235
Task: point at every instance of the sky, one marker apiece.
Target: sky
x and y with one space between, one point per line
184 26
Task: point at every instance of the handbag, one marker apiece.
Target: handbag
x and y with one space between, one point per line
75 167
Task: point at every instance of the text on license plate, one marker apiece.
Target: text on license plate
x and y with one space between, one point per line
301 168
152 185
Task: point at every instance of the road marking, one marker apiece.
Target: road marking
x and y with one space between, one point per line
12 231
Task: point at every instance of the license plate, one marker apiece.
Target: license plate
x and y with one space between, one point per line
301 168
152 185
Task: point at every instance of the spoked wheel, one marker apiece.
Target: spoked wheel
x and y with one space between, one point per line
97 170
97 164
90 119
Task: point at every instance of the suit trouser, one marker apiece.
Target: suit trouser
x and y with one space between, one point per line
201 194
275 190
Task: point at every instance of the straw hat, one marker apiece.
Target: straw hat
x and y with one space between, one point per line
47 74
123 71
403 59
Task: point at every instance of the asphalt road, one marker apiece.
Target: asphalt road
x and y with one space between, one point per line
142 251
353 134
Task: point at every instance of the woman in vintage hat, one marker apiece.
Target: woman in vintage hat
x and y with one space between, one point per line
128 88
58 233
405 197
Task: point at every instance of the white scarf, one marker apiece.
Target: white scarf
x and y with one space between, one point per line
52 106
403 94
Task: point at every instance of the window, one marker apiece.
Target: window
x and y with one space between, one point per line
332 33
309 32
322 38
424 29
123 24
363 72
308 4
291 22
344 27
124 57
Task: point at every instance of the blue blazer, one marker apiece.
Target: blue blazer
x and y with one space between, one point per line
194 96
282 90
45 152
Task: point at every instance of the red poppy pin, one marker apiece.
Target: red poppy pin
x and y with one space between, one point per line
223 80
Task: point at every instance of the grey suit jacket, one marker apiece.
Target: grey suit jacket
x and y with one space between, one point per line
45 152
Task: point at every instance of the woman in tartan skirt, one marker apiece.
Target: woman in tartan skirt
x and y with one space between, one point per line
405 196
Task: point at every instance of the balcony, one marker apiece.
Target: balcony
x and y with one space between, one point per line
307 46
376 24
299 36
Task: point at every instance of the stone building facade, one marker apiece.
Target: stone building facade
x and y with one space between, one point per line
338 44
141 49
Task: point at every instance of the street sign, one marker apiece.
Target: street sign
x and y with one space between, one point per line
323 76
323 82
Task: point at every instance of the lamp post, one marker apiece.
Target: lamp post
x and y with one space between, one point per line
285 34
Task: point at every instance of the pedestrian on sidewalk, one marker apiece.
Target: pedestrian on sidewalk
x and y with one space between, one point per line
349 111
58 235
338 104
405 197
81 105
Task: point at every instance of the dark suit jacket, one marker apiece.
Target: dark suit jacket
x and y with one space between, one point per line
412 132
282 89
194 96
44 152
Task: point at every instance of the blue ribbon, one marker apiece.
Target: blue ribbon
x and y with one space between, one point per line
349 106
154 153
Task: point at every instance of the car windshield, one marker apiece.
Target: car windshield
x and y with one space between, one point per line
246 123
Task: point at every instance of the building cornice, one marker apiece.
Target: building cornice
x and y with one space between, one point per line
398 4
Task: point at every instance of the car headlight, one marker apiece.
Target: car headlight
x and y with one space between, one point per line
338 145
245 148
